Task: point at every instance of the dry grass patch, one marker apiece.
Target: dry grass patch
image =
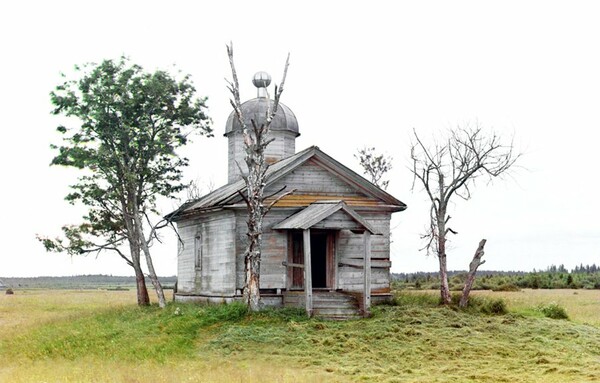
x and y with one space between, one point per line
33 307
582 306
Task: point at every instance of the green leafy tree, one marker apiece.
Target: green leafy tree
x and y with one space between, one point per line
130 125
374 165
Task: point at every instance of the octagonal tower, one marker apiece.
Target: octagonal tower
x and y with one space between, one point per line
284 129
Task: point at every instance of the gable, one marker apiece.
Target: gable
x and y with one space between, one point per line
314 175
312 182
326 215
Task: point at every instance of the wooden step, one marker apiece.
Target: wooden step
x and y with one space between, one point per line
326 304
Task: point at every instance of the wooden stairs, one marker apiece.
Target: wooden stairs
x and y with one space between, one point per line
332 305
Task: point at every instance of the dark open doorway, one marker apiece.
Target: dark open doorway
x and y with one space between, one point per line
322 259
318 257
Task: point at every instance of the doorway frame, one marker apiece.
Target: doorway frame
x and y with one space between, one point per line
296 244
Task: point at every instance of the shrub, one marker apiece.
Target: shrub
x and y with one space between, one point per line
482 286
553 310
9 292
494 306
484 305
454 299
507 287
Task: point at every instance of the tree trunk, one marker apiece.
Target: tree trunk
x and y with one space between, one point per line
253 251
475 263
255 143
441 245
151 272
253 278
444 287
142 291
139 232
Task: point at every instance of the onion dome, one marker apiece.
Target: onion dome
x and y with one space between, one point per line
256 110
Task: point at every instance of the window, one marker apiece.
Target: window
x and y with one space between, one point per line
198 251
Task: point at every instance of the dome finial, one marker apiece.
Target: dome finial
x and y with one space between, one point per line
261 81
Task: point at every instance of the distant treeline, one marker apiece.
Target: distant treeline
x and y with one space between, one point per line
80 282
554 277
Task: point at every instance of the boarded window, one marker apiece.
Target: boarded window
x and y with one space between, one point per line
198 251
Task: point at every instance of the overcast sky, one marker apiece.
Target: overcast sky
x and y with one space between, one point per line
361 73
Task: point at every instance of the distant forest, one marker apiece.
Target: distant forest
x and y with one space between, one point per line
554 277
81 282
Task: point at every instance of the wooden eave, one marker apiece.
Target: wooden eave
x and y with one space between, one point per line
319 211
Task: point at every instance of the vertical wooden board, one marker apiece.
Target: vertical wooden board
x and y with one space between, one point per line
241 228
351 246
307 272
367 272
216 274
220 255
274 252
185 257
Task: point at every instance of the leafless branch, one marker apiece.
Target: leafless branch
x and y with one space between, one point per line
451 168
281 196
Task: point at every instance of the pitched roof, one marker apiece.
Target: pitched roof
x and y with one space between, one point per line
230 193
317 212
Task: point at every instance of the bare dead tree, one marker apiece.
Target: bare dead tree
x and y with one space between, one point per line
255 142
195 190
451 168
374 165
473 266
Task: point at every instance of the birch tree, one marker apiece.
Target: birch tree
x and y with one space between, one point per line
127 126
255 135
449 169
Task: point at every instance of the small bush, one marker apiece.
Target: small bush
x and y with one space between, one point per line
507 287
494 306
484 305
482 286
9 292
454 299
553 310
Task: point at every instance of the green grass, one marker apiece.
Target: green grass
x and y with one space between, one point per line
414 340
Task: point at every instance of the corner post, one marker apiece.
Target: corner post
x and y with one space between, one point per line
367 274
308 273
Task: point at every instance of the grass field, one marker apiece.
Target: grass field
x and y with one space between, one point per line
583 306
100 336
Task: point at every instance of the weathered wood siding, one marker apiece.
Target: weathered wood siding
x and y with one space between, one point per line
310 177
274 250
215 274
350 250
339 219
283 146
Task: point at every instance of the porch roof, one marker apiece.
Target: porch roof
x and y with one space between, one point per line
319 211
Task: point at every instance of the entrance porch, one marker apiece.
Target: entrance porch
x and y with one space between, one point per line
313 260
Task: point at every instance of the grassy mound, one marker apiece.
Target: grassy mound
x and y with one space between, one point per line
414 340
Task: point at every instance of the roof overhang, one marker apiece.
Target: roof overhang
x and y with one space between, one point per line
316 214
